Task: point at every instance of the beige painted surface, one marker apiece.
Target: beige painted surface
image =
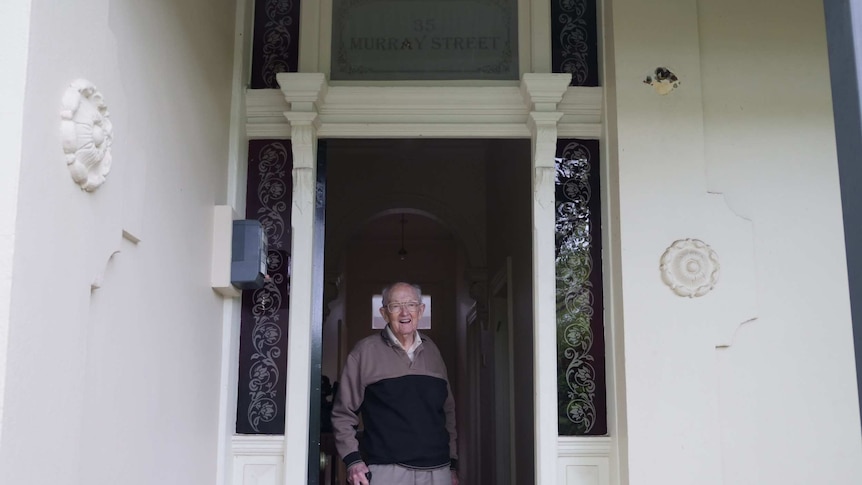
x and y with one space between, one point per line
120 385
751 120
14 44
788 401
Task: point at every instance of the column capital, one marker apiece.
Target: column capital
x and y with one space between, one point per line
304 91
542 92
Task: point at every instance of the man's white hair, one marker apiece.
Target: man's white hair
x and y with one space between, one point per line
389 289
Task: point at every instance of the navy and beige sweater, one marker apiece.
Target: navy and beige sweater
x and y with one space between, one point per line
407 407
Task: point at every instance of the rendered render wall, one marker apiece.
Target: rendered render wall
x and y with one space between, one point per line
14 41
741 155
113 362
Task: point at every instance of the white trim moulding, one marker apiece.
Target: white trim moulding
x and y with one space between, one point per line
584 446
416 111
258 445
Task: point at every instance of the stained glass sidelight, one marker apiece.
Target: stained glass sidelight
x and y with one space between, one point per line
574 40
263 330
581 389
276 41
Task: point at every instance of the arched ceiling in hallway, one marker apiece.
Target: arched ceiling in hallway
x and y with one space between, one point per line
372 181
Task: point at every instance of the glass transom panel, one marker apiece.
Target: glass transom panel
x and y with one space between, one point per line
424 39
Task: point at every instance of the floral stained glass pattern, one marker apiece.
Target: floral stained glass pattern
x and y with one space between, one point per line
574 40
263 331
276 41
580 338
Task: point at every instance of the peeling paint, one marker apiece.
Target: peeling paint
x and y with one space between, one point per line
663 80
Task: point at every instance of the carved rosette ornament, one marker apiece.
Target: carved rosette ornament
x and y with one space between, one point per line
689 267
87 134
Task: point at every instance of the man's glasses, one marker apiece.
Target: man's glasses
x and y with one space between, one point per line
410 306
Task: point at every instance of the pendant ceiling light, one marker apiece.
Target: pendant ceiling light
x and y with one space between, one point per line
402 253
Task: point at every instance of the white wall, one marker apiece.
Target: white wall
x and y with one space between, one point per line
752 120
788 386
120 385
14 41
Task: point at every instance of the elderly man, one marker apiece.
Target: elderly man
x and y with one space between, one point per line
397 380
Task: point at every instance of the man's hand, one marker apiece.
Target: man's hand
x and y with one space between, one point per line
356 474
455 480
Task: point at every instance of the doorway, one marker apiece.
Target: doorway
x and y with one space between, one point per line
439 213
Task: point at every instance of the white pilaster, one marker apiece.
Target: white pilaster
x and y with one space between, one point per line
304 92
542 93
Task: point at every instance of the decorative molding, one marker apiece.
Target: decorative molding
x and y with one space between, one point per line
543 125
585 446
254 445
424 130
87 134
303 140
417 111
689 267
581 105
265 106
542 92
304 91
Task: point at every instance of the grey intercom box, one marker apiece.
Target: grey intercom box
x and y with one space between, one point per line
248 255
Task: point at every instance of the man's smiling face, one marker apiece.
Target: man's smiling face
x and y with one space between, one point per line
403 321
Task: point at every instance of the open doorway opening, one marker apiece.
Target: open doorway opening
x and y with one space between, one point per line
451 216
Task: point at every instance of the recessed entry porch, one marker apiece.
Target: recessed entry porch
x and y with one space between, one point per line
473 210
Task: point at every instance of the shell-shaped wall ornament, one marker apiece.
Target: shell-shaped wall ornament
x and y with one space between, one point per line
87 134
689 267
